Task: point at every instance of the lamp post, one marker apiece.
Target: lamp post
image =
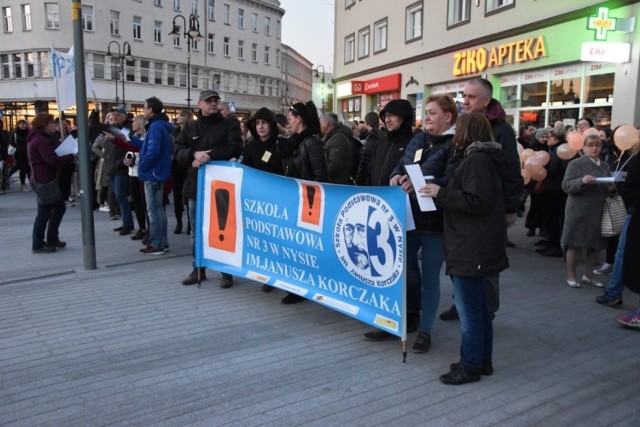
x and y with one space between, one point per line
124 52
321 83
192 34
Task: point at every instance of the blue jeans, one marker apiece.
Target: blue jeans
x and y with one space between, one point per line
432 259
157 215
51 216
615 286
120 186
475 322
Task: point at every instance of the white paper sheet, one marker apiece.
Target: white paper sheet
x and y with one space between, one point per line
68 146
417 180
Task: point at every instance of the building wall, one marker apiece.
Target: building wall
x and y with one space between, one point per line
428 62
249 83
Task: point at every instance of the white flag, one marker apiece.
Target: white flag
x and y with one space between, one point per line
64 75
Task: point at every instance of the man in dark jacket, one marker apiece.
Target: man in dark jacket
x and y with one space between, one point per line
119 172
211 137
337 142
371 138
478 98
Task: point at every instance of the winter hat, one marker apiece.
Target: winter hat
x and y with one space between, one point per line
539 133
263 114
401 108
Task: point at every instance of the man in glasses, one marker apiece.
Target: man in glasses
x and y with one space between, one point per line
211 137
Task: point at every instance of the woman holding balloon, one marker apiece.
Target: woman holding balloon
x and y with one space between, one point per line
583 213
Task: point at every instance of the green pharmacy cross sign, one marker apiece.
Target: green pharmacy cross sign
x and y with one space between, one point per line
601 23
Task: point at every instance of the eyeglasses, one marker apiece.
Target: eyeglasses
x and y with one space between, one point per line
593 145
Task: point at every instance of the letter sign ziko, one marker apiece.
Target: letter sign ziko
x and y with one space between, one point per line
475 60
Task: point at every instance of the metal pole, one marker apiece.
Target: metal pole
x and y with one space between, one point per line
86 180
124 103
188 71
116 82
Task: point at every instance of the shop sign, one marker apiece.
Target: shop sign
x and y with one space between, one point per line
601 23
605 52
382 84
343 89
477 60
357 88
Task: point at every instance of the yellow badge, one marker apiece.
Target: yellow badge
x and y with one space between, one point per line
418 156
266 156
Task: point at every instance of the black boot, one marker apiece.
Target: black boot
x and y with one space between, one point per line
451 314
226 281
178 228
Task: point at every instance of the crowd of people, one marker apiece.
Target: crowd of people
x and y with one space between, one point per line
469 152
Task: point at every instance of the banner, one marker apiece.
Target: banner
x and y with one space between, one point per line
339 246
64 75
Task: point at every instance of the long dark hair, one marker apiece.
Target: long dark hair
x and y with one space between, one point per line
471 127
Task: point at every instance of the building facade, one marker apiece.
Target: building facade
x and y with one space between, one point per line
296 77
177 48
548 61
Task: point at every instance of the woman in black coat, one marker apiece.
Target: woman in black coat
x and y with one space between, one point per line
474 234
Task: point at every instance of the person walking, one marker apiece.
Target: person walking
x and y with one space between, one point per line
44 165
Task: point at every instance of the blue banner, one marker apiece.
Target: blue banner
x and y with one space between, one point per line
340 246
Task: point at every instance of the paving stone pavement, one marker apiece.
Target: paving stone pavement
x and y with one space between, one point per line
126 344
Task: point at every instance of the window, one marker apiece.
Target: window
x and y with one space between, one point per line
171 75
114 22
267 50
98 66
157 31
87 18
241 49
29 59
157 73
349 48
240 18
4 60
227 14
267 25
254 52
137 28
194 43
182 75
195 7
458 12
498 4
52 12
144 71
157 3
363 42
177 40
413 24
277 57
211 10
177 5
380 36
26 17
225 46
211 45
254 22
194 78
17 66
263 81
7 20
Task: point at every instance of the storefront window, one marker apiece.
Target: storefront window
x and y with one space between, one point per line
563 114
565 91
599 88
534 94
532 117
601 116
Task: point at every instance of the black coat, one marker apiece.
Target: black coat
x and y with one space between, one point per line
215 133
254 154
386 154
308 160
475 229
338 148
370 141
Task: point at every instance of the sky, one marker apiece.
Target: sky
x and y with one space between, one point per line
307 27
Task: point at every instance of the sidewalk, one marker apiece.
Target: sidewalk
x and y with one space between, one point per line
126 344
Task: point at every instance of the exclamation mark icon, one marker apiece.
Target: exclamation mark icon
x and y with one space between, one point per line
311 193
311 199
222 222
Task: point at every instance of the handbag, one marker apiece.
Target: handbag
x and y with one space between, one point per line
613 216
48 193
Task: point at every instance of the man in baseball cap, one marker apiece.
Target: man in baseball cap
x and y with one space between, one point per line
208 94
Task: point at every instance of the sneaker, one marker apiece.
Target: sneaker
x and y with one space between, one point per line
104 208
603 269
609 301
458 376
139 235
71 199
150 250
422 343
630 320
44 250
24 188
379 335
125 231
591 282
487 368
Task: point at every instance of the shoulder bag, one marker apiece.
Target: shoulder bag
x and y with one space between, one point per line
48 193
613 216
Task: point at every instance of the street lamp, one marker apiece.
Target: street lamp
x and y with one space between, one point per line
123 53
192 34
321 83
